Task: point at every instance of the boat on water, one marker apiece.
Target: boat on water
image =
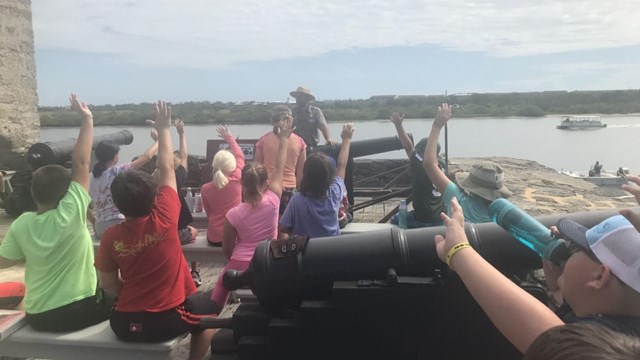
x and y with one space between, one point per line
605 178
571 122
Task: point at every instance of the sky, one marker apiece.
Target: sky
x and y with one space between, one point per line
132 51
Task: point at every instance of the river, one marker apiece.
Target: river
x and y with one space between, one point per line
527 138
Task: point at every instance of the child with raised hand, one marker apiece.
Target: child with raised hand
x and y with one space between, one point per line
474 190
224 191
104 171
141 259
313 211
427 200
54 241
186 233
598 286
256 219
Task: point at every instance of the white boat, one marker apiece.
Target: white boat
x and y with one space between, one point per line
571 122
606 177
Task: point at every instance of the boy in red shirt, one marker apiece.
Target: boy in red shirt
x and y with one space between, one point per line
154 284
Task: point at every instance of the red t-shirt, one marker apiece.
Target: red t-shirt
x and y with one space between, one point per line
148 254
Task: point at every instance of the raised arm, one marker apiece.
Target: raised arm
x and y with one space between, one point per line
520 317
184 154
143 159
430 162
397 120
633 187
81 156
283 130
343 157
162 124
223 132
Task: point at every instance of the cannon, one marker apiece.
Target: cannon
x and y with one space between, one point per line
380 295
48 153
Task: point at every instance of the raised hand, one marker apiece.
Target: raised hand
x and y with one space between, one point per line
80 107
347 131
454 232
162 111
223 131
179 126
444 114
283 129
396 118
154 134
633 187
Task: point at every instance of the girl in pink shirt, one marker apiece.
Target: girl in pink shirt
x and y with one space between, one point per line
224 191
257 218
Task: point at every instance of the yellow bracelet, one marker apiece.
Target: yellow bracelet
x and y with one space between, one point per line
454 250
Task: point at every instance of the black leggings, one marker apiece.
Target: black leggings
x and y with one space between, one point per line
75 316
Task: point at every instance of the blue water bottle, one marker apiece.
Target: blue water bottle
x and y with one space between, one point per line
528 230
402 214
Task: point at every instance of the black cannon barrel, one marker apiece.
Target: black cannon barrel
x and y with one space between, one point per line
367 147
285 282
59 152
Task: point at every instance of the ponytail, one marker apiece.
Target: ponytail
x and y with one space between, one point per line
254 178
99 168
223 163
219 179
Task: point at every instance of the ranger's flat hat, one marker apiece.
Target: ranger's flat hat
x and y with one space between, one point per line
303 93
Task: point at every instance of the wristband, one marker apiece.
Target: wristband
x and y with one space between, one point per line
454 250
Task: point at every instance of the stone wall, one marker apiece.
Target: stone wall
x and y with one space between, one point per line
19 122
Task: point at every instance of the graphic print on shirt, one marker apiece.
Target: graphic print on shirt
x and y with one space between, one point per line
149 241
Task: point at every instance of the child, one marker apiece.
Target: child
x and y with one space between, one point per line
104 171
313 211
257 218
266 150
141 259
475 190
224 191
598 281
427 200
583 341
54 241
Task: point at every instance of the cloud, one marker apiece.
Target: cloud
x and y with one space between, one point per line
206 34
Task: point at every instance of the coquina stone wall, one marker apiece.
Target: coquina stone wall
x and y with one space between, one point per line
19 122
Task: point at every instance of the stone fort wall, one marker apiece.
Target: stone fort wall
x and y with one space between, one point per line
19 121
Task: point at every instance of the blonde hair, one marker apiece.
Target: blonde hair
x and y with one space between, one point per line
223 163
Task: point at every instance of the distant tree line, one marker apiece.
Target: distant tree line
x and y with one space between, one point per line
531 104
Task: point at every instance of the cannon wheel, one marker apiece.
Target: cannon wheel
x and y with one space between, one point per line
18 202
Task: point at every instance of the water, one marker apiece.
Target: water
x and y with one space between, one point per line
526 138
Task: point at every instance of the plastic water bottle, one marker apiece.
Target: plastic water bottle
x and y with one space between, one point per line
528 230
402 214
189 199
198 206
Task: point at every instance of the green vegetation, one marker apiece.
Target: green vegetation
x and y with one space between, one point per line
532 104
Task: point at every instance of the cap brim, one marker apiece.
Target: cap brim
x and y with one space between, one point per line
574 232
